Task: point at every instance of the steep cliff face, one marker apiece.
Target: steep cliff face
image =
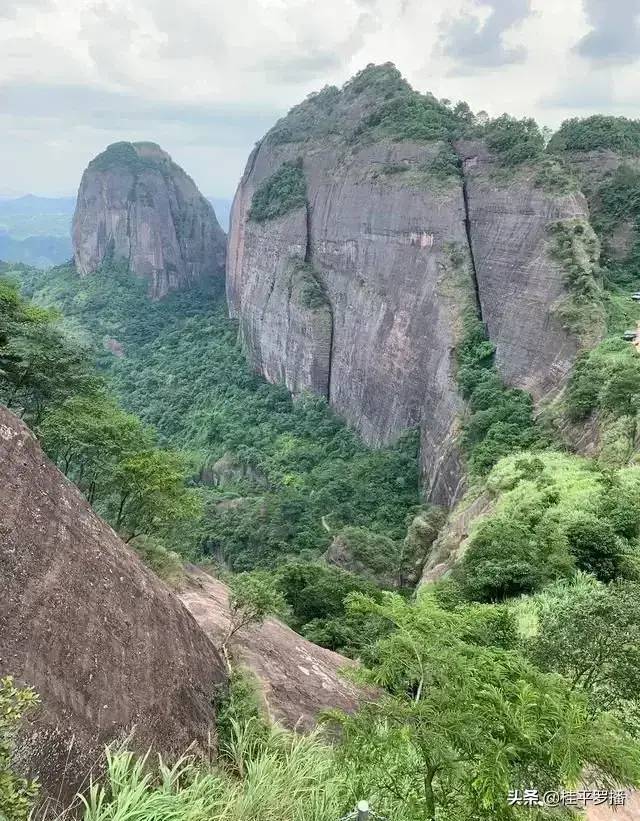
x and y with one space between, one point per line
138 207
405 228
106 645
522 288
383 239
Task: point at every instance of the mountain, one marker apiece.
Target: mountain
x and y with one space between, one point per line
36 230
38 251
106 645
369 233
136 206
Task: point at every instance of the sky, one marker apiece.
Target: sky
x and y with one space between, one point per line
207 78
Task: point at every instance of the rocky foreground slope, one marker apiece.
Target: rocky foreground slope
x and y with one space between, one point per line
137 207
105 644
381 231
296 678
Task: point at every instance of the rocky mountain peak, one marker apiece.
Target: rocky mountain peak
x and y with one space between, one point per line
405 216
138 208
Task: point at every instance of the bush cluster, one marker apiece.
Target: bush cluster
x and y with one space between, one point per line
598 132
606 378
555 514
500 419
284 191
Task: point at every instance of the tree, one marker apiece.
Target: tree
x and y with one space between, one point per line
16 794
501 561
39 365
253 597
87 436
460 722
596 547
590 633
151 494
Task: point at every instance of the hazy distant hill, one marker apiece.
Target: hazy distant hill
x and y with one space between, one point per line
32 216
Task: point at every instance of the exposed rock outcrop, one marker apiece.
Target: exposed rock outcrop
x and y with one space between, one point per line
297 678
401 236
137 207
106 645
521 287
385 241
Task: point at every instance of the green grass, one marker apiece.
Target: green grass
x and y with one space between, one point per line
290 778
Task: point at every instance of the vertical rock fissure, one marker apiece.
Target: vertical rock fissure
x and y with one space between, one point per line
467 228
308 258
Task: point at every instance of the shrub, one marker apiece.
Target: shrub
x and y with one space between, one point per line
500 419
282 192
599 131
501 561
553 514
607 379
17 794
411 116
166 564
514 141
596 549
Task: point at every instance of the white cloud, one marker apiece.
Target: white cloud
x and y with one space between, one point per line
206 78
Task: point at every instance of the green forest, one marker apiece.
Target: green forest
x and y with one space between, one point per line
519 668
195 457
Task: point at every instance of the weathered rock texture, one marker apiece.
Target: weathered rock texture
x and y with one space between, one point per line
136 206
381 347
392 245
520 284
106 645
297 678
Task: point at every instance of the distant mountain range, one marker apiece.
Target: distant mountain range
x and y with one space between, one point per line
36 230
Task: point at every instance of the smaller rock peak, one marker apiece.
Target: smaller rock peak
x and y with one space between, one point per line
138 208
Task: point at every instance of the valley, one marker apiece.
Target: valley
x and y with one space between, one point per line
351 496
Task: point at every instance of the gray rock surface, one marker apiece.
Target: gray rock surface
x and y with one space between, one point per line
400 253
136 206
520 286
381 248
106 645
297 679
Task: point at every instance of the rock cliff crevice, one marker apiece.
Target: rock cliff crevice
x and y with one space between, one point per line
467 226
404 234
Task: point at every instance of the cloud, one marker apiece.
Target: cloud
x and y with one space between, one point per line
473 42
615 31
575 94
10 9
207 79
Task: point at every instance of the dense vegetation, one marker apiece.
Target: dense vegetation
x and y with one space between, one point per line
284 191
615 208
17 794
463 714
606 378
49 379
124 154
499 419
554 514
519 670
278 479
514 141
598 132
